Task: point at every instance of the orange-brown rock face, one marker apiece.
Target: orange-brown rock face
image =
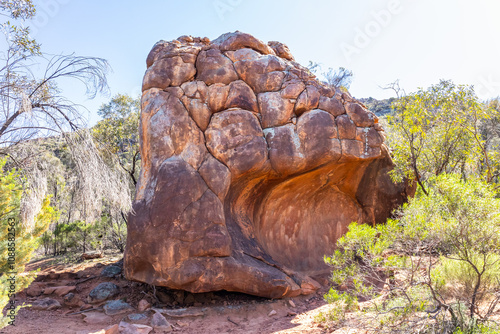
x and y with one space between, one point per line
251 169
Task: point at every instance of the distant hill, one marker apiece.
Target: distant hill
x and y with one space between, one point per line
379 107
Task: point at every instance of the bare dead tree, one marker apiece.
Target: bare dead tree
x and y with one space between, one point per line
32 106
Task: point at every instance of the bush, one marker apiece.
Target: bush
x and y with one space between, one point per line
435 267
17 241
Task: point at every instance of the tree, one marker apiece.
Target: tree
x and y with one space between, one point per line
436 267
118 133
33 107
339 78
17 241
438 130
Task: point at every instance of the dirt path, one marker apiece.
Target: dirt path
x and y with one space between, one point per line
216 313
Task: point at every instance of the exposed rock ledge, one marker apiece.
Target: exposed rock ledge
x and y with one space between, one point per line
251 169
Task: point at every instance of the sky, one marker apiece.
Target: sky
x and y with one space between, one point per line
417 42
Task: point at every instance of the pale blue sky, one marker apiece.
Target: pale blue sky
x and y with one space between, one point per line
415 41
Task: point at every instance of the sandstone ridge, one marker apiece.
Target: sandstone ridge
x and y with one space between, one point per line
251 169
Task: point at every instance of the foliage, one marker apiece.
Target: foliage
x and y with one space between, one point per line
379 107
339 78
118 133
440 130
33 107
435 268
78 236
116 138
17 241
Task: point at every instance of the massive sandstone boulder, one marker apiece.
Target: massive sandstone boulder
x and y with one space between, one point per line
251 169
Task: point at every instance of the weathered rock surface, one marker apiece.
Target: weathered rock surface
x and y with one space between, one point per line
103 291
118 306
111 271
251 169
159 323
45 304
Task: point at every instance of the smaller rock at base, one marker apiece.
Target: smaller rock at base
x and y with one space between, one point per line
184 312
115 329
72 300
272 313
292 304
64 290
96 318
114 307
111 271
47 304
143 305
142 329
103 292
35 290
126 328
159 323
137 316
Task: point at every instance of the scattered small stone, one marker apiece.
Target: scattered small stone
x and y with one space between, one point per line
126 328
184 312
111 271
143 305
47 304
291 314
137 316
292 304
143 329
49 290
91 255
35 290
159 323
114 307
272 313
115 329
102 292
69 297
93 318
72 300
59 290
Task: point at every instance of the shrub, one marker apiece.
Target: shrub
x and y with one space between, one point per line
16 239
435 267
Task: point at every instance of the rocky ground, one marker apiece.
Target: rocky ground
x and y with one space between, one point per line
93 297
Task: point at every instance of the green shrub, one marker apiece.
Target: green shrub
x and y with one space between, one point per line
16 239
436 267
